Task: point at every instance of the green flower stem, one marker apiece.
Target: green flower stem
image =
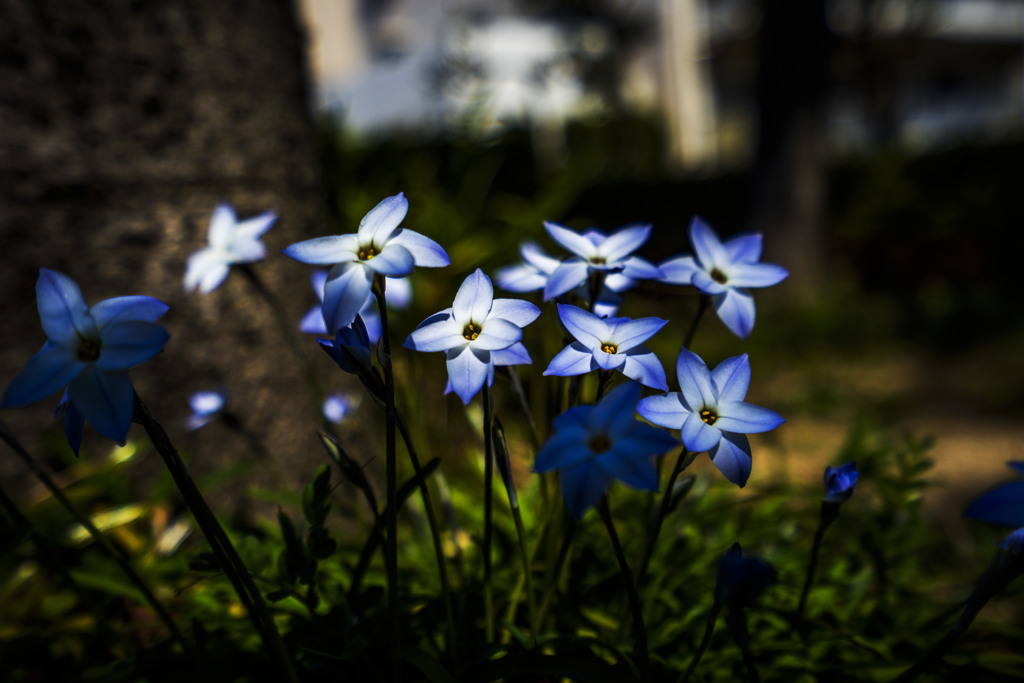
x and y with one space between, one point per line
391 556
640 654
435 533
488 511
705 302
115 552
684 461
223 550
829 513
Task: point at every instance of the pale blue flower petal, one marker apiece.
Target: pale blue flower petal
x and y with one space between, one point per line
608 361
679 270
346 291
698 435
643 365
124 308
106 399
221 231
521 278
399 291
626 333
582 488
47 372
394 260
736 309
695 381
205 271
574 359
62 309
325 251
737 416
473 300
566 277
756 274
436 333
624 242
516 311
129 343
586 327
732 458
571 240
707 246
426 252
744 248
467 371
497 334
513 355
637 268
212 276
732 378
377 225
666 410
370 317
313 321
536 257
703 281
613 282
253 228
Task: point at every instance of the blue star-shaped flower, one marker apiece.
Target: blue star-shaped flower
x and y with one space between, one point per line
840 482
711 414
399 295
596 252
230 242
592 445
609 344
726 272
379 247
477 333
89 351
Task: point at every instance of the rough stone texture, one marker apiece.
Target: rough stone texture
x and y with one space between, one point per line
122 124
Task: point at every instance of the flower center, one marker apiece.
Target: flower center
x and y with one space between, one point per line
366 253
719 277
89 350
598 260
599 443
708 416
472 331
609 348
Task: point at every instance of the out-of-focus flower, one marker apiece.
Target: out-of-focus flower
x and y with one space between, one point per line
596 252
379 247
710 412
477 333
205 406
89 351
840 482
399 294
1002 505
592 445
230 242
336 407
609 344
1014 542
742 578
726 272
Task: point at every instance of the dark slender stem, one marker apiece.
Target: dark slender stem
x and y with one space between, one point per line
705 301
115 552
705 641
828 515
640 653
563 553
603 377
223 550
682 462
488 511
391 556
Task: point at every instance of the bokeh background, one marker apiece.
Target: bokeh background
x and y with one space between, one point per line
877 144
